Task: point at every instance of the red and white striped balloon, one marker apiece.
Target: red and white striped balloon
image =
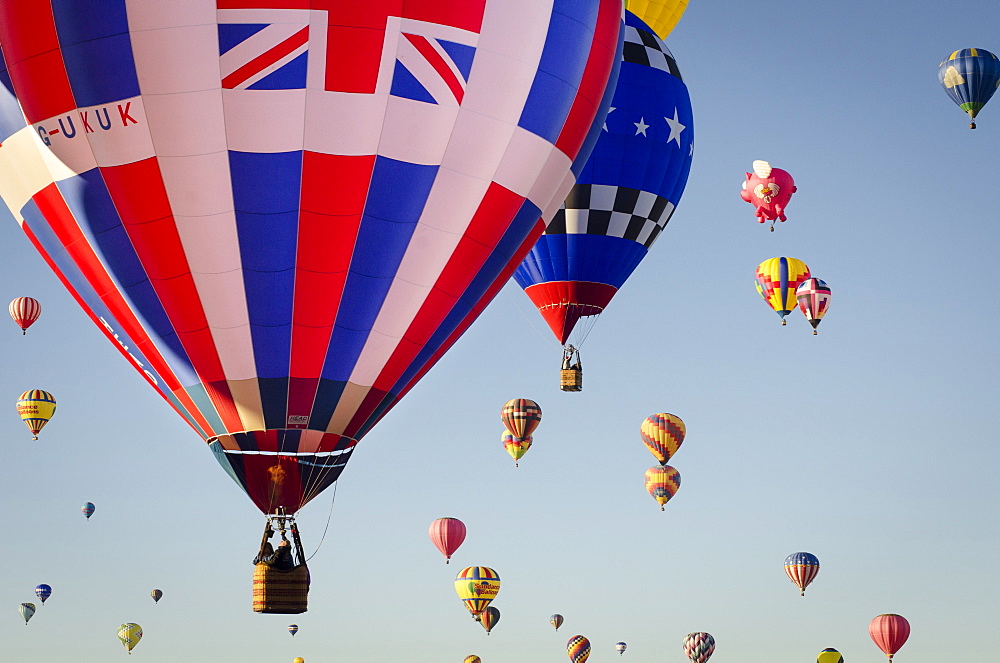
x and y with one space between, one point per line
24 311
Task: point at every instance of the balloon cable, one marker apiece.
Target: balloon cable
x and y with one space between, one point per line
328 517
545 337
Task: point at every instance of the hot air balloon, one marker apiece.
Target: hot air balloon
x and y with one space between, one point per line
970 77
660 15
769 190
130 634
35 408
624 196
176 172
813 296
699 646
801 568
25 311
157 595
489 618
663 435
556 621
620 647
889 632
662 483
43 592
829 655
777 280
521 416
88 509
578 649
293 629
447 534
477 586
514 446
27 611
298 659
472 658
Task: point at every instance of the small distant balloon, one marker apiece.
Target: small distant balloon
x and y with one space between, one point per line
298 659
43 592
889 632
663 435
489 618
293 629
157 595
521 416
801 568
27 611
829 655
36 408
556 621
25 311
699 646
447 534
472 658
578 649
516 447
662 483
620 647
130 634
813 296
88 509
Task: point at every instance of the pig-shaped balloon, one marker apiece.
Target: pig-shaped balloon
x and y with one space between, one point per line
769 190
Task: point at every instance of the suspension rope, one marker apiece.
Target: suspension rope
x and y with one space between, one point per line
328 518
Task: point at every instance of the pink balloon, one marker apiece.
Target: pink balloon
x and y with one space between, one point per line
889 633
447 534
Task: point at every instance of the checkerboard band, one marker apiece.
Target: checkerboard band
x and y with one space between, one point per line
598 209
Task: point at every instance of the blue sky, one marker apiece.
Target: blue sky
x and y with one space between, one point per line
871 445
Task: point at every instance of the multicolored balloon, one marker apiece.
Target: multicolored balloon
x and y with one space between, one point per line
36 408
777 281
88 509
829 655
769 190
477 586
620 647
624 196
472 658
130 634
447 534
813 296
293 629
489 618
699 646
514 446
662 483
889 632
157 595
663 435
27 611
556 621
660 15
802 568
970 76
25 311
578 649
43 592
521 417
177 177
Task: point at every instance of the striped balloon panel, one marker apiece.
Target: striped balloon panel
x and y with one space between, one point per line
829 655
578 649
36 407
813 297
24 311
625 194
556 621
663 435
43 592
521 416
777 279
88 509
970 76
190 208
661 15
489 618
27 610
477 586
699 646
889 632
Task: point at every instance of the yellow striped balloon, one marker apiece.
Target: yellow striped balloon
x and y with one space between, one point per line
477 586
130 634
777 279
662 483
36 407
663 434
660 15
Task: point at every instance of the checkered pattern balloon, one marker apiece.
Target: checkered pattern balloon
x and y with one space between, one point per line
521 416
578 649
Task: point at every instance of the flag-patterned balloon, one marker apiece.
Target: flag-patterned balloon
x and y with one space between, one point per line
514 446
663 435
699 646
477 586
777 279
36 408
829 655
43 592
27 611
556 621
284 212
521 416
662 483
25 311
130 634
489 618
813 296
88 509
578 649
889 632
801 568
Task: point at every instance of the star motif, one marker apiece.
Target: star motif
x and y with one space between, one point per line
610 110
675 128
641 126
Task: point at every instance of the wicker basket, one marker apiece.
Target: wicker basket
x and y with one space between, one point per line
280 592
571 379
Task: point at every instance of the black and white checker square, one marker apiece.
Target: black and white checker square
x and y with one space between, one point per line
598 209
645 48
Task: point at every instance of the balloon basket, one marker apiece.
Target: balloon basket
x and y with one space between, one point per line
275 590
571 379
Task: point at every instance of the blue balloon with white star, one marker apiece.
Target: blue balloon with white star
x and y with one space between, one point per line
625 194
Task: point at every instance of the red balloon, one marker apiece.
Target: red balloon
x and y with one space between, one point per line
447 534
24 311
768 190
889 632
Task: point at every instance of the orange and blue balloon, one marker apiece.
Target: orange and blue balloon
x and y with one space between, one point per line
970 77
801 568
578 649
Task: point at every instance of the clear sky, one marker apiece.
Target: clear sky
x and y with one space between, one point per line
872 445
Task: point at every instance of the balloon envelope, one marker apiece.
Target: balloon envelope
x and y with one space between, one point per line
25 311
699 646
130 634
36 408
521 416
477 586
88 509
27 611
663 435
282 248
620 647
157 595
472 659
777 280
660 15
578 649
829 655
801 568
489 618
293 629
447 534
889 632
556 621
514 446
970 77
813 296
43 592
662 483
